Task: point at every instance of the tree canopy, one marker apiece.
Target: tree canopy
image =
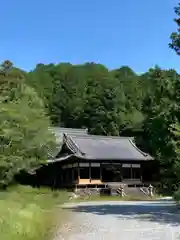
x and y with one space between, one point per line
24 135
107 102
175 36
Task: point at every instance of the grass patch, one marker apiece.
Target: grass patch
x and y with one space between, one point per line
115 198
28 213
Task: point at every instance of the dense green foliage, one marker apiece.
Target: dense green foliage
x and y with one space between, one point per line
175 45
24 136
175 36
116 102
89 96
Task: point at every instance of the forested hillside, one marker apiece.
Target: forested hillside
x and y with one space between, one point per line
115 102
107 102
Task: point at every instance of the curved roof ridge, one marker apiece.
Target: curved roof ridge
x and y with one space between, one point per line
138 149
104 137
72 129
59 131
74 147
69 143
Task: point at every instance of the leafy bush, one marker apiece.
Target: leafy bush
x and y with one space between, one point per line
25 140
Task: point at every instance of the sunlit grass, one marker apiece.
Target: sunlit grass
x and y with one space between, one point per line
27 213
116 198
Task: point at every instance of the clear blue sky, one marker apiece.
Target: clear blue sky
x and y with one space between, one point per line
111 32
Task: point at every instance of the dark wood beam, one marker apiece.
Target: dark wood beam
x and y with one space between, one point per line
89 171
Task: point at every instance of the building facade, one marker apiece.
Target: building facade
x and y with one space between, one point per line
85 160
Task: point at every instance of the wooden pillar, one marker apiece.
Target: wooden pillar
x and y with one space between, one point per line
78 171
61 175
69 174
72 171
121 172
90 171
131 173
100 171
65 175
140 173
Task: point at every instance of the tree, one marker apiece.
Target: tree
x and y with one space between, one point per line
81 96
5 67
131 87
104 105
175 129
41 80
175 36
161 107
25 140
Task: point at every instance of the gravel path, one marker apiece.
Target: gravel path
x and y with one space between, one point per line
122 221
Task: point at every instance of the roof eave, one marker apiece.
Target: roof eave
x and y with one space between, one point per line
111 159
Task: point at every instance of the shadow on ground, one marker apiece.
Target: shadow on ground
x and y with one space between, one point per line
166 214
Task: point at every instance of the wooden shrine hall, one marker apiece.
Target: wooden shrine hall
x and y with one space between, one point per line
85 160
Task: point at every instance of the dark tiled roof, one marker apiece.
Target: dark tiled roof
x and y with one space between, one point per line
100 147
88 146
